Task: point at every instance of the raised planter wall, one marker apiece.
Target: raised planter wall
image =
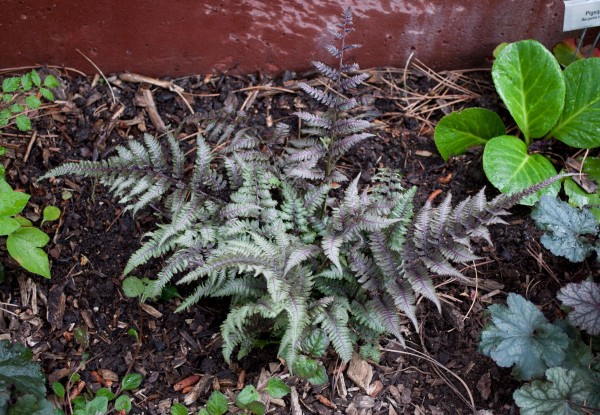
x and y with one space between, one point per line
184 37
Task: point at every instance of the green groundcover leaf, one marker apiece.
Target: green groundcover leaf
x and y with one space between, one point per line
276 388
529 81
520 335
216 404
17 369
247 395
510 169
580 119
11 203
563 394
24 245
461 130
584 299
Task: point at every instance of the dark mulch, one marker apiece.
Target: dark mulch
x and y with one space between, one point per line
91 243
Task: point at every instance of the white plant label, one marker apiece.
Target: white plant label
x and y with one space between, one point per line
580 14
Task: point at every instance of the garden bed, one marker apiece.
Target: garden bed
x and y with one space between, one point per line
441 373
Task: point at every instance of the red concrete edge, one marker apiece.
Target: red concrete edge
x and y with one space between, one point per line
184 37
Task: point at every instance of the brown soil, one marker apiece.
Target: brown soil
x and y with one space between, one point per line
94 238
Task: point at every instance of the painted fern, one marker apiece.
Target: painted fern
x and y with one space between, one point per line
297 259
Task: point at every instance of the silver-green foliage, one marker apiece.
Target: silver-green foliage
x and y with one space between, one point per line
298 258
564 370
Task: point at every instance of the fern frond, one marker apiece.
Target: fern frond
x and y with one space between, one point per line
334 322
321 96
354 80
341 147
401 292
386 312
326 70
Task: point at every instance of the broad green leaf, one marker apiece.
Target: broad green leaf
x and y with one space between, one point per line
8 226
123 403
133 287
565 228
97 406
31 405
33 102
105 392
520 335
461 130
17 369
529 81
11 84
46 93
131 381
564 52
584 299
35 77
311 370
26 82
23 221
579 123
179 409
579 197
50 213
216 404
563 394
6 98
510 169
24 246
167 293
246 395
59 389
12 203
51 82
23 122
257 408
591 167
276 388
316 343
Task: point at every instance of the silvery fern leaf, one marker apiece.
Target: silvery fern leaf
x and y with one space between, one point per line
321 96
354 81
584 300
326 70
334 322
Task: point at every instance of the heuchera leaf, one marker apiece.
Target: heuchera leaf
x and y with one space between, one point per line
565 227
564 393
578 123
461 130
520 335
584 299
531 84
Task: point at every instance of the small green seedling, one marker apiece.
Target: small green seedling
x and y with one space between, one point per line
22 94
24 241
248 400
143 288
103 400
544 101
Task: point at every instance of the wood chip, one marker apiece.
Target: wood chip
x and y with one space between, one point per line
375 388
151 310
295 404
423 153
184 383
484 386
323 400
198 390
360 372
